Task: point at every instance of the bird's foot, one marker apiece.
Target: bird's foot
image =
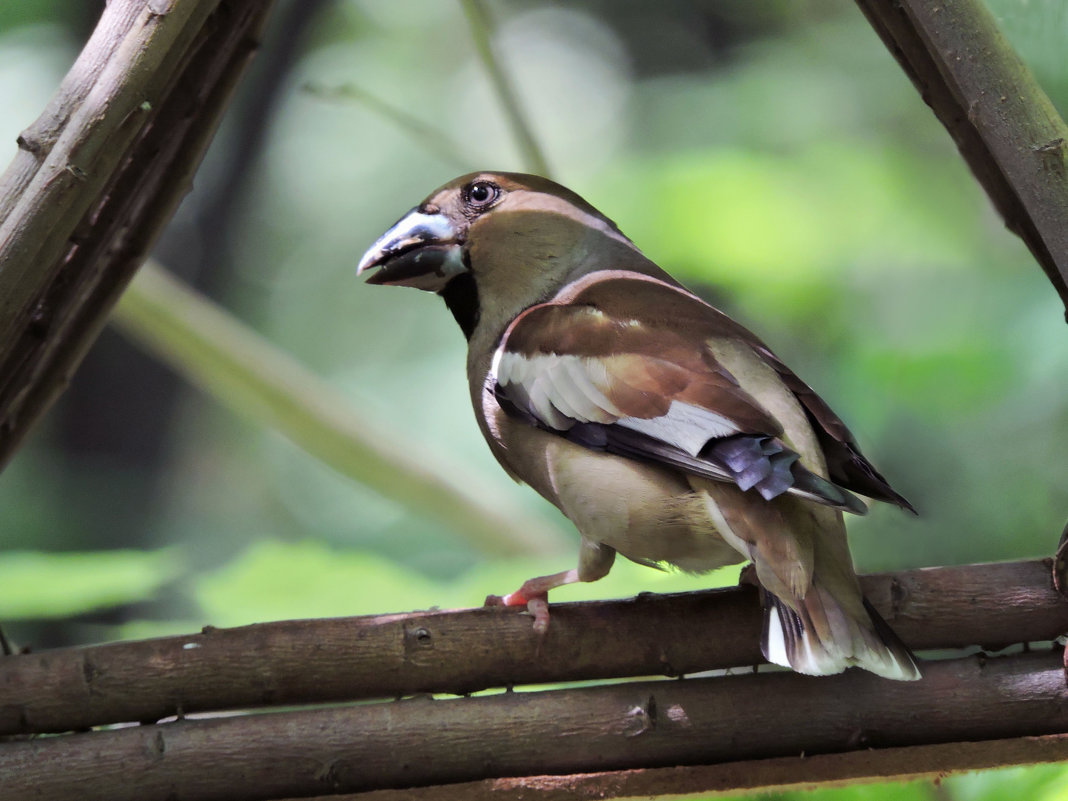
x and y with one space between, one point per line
537 604
534 594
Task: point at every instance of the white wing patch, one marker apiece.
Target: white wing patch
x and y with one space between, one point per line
776 640
685 426
561 390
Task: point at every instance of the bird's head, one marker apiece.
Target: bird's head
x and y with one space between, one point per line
495 243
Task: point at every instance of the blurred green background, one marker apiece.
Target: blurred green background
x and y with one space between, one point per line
771 155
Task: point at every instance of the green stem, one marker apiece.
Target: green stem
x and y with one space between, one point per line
482 33
253 378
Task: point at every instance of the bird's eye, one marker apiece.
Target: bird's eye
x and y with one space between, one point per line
482 193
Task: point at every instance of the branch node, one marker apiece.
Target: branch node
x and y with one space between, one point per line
641 719
160 8
858 739
30 143
898 597
76 171
40 321
1052 146
89 674
327 774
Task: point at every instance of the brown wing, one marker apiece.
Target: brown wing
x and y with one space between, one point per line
646 391
672 306
574 363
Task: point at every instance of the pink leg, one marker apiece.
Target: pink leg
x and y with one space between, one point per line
534 594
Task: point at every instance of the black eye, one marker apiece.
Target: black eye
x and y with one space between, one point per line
482 193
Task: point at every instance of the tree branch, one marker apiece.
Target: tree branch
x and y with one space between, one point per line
1005 126
636 725
384 656
98 176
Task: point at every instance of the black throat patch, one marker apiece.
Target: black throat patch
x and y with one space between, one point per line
461 296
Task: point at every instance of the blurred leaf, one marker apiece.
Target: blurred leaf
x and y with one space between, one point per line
149 629
14 14
789 226
276 581
34 584
887 791
947 379
1035 783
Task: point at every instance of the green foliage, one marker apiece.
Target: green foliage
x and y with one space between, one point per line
896 791
56 585
278 580
18 13
1039 783
789 226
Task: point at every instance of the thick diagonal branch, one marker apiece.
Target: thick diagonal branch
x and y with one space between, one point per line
99 175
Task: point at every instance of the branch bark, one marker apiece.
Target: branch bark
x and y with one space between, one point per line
1004 125
98 176
301 662
801 772
636 725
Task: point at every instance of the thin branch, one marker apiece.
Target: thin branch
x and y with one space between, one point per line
98 177
1005 126
300 662
628 726
242 370
478 21
435 140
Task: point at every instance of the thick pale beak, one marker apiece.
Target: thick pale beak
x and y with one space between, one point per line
421 250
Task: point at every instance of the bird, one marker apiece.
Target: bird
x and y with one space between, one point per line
664 430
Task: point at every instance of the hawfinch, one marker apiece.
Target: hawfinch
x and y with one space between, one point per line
663 429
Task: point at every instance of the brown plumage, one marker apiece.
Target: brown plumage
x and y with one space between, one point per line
663 429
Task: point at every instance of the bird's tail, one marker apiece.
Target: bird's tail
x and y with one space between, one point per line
822 637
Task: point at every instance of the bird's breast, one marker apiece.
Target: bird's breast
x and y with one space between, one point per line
645 512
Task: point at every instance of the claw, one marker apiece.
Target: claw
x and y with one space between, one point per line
537 606
515 599
512 599
534 595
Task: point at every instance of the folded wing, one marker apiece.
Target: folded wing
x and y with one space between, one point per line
632 387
